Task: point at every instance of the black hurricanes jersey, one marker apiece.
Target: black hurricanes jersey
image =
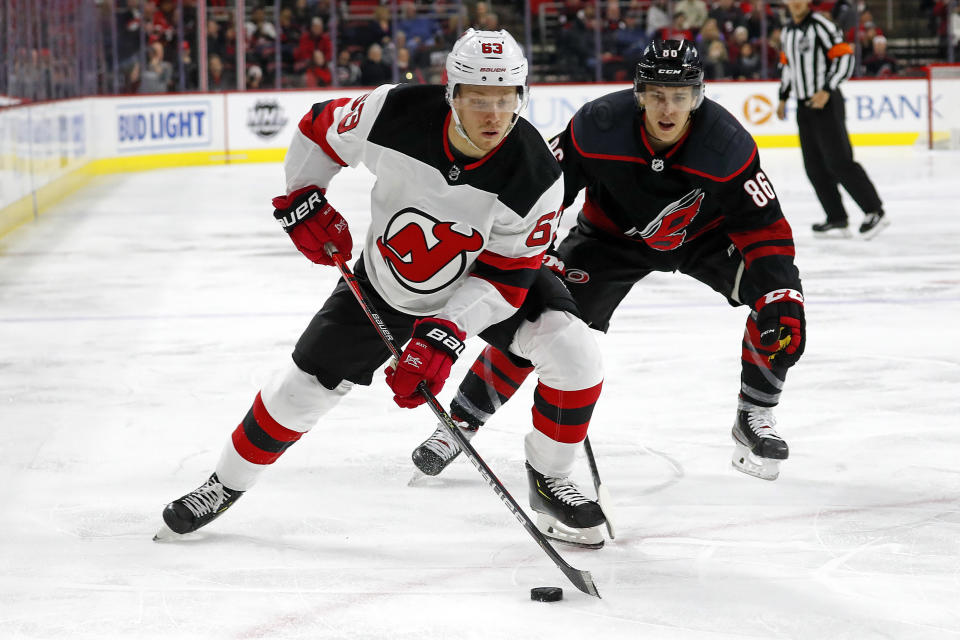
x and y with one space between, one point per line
709 183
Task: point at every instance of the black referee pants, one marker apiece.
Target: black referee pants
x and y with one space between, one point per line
828 159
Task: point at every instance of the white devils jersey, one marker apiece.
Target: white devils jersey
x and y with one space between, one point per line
460 239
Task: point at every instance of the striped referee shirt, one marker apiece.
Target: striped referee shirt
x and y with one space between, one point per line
813 57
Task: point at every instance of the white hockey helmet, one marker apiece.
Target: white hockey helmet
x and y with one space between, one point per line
488 58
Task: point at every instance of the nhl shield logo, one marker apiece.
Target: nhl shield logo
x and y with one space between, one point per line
454 173
657 164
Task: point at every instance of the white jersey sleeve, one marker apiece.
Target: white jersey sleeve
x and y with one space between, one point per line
329 137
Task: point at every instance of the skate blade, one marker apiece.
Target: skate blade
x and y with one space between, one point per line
589 538
166 534
746 462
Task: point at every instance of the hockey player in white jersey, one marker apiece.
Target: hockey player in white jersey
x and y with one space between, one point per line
466 200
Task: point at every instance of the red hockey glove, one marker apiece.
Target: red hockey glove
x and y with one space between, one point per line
553 262
780 322
311 222
435 346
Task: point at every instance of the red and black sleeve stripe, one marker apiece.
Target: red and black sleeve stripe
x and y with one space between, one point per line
775 239
512 277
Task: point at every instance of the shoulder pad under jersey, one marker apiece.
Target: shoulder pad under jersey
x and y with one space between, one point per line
718 148
604 127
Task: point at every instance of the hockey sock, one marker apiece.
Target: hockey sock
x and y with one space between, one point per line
259 438
492 380
560 421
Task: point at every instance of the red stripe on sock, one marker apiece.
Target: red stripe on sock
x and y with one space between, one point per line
250 452
492 379
568 433
569 399
273 428
504 364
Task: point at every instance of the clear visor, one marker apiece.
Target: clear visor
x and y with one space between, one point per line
677 98
508 102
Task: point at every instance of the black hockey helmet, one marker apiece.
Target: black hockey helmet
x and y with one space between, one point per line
670 63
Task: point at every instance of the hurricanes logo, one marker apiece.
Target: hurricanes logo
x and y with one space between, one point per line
669 229
423 254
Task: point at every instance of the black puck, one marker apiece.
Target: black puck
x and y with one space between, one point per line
546 594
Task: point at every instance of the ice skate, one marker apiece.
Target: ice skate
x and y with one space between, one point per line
758 448
873 223
830 229
440 449
563 512
196 509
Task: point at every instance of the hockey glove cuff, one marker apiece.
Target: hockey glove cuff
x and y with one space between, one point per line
435 346
781 324
311 222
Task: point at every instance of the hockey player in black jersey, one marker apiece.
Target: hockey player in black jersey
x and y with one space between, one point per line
673 183
465 203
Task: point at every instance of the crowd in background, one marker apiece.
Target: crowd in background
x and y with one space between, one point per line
152 45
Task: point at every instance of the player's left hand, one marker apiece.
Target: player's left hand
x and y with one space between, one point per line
435 346
782 325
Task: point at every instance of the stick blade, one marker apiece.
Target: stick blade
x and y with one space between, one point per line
603 497
582 580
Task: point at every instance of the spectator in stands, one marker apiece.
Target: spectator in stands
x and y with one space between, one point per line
216 43
158 73
373 71
728 16
480 11
740 37
311 40
709 33
156 24
491 22
695 10
217 80
254 78
377 30
631 39
575 45
317 75
747 66
677 30
658 17
348 70
421 31
881 64
129 22
844 15
866 36
772 53
716 66
288 40
189 65
955 26
754 19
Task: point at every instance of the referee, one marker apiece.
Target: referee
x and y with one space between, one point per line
814 61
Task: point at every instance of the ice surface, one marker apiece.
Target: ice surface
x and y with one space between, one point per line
139 318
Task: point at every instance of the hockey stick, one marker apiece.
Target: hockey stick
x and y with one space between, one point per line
603 496
582 580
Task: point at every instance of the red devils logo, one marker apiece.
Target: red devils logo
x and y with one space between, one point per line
426 255
669 230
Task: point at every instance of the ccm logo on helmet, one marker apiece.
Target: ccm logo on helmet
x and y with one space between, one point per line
302 211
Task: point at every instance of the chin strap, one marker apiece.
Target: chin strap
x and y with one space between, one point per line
463 132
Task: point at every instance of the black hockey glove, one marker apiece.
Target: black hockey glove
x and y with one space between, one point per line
781 324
